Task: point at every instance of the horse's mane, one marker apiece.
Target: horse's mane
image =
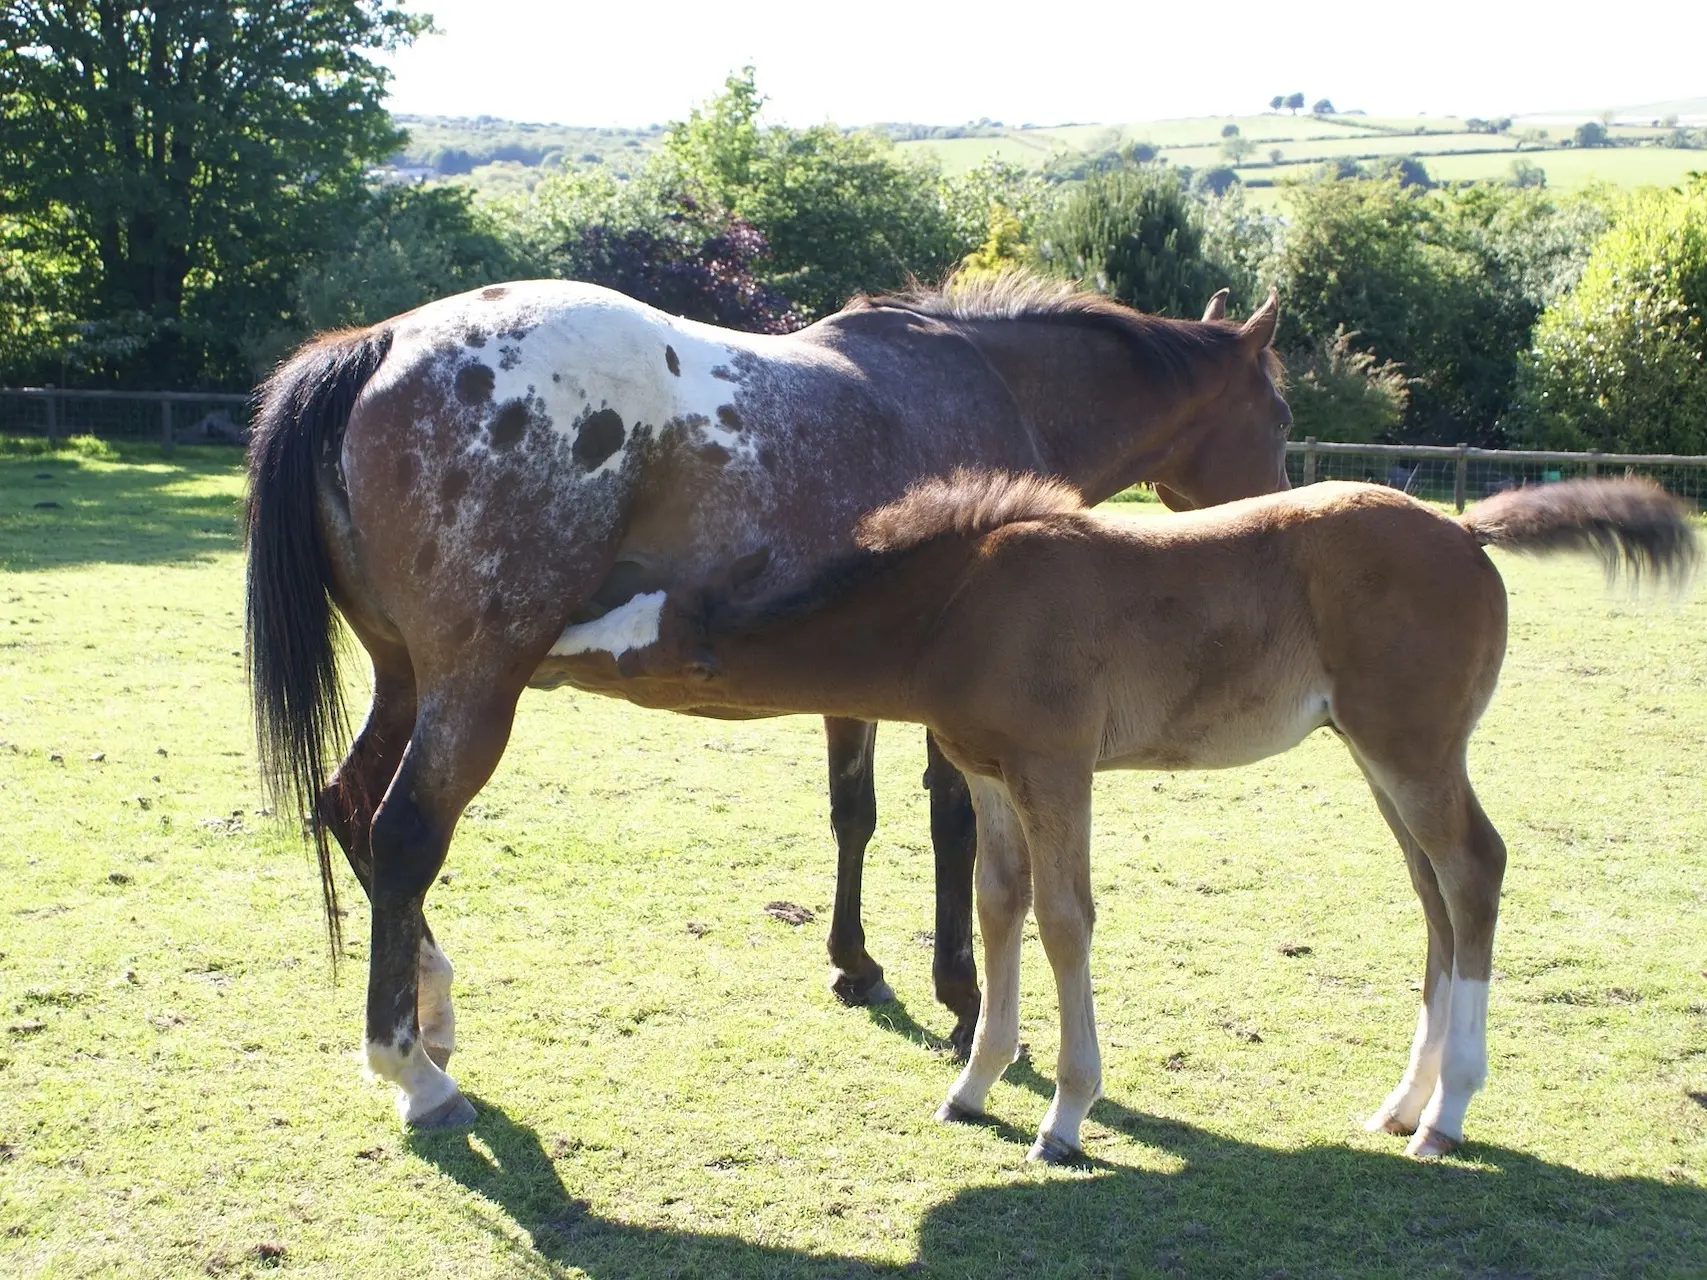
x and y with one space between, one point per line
963 504
1161 347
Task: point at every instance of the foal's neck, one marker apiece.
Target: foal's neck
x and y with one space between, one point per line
1100 423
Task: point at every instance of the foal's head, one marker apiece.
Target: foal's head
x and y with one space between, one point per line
1239 447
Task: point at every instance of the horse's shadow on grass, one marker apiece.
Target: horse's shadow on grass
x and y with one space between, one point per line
1222 1208
58 511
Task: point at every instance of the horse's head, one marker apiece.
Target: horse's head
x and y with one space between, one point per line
1238 447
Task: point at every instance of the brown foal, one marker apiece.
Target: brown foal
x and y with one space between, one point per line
1040 642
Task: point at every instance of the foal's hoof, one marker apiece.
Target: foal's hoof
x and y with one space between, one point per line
453 1113
1385 1121
439 1053
1430 1144
861 988
1049 1149
951 1112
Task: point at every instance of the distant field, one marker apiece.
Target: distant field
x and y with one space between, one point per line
1623 166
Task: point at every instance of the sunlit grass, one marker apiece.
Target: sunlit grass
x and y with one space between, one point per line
183 1097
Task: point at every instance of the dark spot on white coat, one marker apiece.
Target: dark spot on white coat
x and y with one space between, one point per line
673 361
722 371
728 417
509 424
474 338
600 435
474 383
494 293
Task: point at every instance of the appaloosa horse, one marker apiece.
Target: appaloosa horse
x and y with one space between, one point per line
497 490
1040 642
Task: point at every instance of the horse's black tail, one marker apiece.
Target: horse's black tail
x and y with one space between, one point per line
291 631
1632 525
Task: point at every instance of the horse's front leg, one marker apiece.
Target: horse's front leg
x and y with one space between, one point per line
854 976
954 838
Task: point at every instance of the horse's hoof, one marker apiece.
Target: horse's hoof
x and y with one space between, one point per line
1049 1149
453 1113
951 1112
439 1053
860 988
1385 1121
1430 1144
960 1039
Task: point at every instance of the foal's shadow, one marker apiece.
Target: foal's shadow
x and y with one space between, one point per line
1205 1205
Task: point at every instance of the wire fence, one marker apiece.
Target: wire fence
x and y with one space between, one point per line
169 417
1462 475
1439 473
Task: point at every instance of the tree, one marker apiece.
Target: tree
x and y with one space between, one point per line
1277 102
1620 363
1337 392
1524 174
1229 131
193 155
1591 133
1132 234
1295 103
1323 107
1235 149
1275 155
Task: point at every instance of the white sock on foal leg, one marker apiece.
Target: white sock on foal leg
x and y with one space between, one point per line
1403 1108
1463 1070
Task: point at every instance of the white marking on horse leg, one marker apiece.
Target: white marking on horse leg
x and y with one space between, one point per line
1403 1107
1078 1072
631 625
421 1086
432 1000
1463 1068
1003 895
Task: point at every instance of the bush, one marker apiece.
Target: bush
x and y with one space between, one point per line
1620 363
1339 393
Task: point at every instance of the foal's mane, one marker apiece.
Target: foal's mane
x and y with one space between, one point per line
964 504
1160 346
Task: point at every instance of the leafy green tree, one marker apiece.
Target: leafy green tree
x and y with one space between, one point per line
1620 363
1277 102
1591 133
1133 234
1323 107
1236 148
1337 392
1295 103
194 154
412 244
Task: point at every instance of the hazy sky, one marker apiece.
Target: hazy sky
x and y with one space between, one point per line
1043 63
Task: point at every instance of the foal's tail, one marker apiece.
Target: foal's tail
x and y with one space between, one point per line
290 629
1632 525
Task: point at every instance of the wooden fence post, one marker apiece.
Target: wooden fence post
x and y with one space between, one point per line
52 420
1461 476
1309 459
166 428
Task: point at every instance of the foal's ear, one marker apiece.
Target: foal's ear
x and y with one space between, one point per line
1258 331
1217 308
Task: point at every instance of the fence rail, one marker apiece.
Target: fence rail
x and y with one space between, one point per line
57 412
1462 473
1445 473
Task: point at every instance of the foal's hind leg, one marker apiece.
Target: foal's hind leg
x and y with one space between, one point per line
1402 1110
457 742
1468 860
854 976
347 805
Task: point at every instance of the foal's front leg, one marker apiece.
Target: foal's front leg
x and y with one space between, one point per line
854 976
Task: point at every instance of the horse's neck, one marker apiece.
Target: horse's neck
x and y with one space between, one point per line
1098 422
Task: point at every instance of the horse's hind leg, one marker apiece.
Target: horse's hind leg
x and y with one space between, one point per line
954 838
854 976
1468 858
347 804
457 742
1004 894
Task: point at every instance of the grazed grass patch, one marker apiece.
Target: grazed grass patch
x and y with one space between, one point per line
665 1085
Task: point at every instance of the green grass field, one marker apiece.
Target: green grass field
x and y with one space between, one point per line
666 1087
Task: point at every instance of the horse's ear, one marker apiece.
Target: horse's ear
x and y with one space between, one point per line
1258 331
1217 308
